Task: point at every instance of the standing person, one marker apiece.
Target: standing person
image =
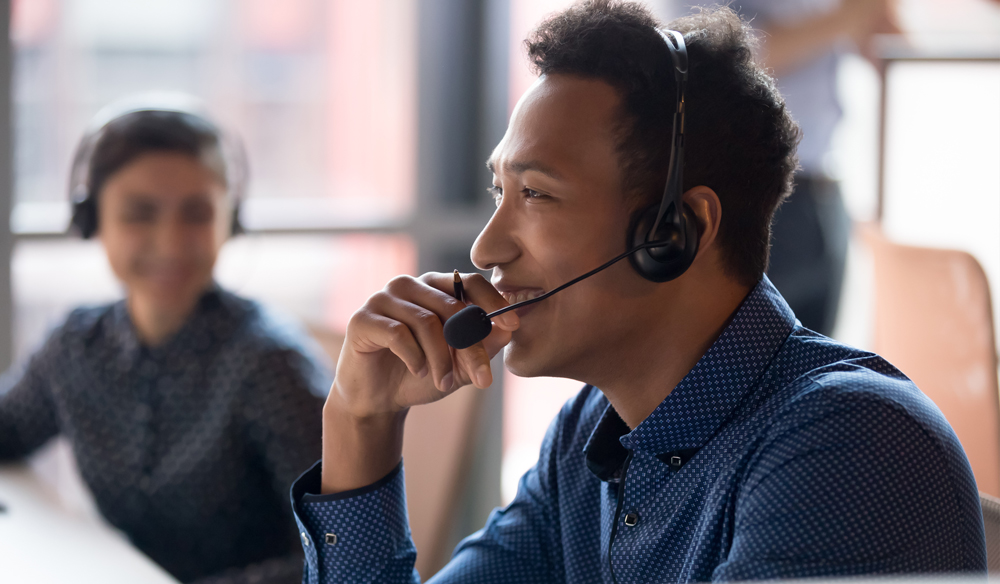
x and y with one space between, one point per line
803 44
715 438
189 410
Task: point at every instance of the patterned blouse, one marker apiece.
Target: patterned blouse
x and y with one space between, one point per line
190 447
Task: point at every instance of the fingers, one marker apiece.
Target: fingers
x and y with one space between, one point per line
473 363
423 308
426 334
407 317
486 296
478 291
375 332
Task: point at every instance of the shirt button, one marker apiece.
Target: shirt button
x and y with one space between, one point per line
631 519
305 539
331 539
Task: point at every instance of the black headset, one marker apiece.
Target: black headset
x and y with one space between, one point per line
673 223
84 218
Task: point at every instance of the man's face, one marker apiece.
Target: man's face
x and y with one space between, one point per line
560 213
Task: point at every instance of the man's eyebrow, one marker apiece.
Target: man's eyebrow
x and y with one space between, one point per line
522 166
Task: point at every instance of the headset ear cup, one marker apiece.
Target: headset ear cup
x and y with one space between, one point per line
84 218
668 261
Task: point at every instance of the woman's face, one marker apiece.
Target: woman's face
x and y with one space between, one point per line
162 219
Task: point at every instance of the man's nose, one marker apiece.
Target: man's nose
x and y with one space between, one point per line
496 244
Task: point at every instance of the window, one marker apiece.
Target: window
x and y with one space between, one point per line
322 94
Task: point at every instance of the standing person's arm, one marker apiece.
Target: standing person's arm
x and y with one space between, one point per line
788 45
27 412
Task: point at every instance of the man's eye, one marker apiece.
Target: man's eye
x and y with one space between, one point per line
497 194
532 194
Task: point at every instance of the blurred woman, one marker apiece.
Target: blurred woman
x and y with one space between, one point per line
190 410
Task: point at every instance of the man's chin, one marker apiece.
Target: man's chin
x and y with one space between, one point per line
524 361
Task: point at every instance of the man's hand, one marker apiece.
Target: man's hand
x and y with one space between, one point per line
395 357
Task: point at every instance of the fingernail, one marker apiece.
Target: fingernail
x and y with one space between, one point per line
483 376
447 381
422 373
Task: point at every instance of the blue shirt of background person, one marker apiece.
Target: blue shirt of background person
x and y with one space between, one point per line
189 410
716 439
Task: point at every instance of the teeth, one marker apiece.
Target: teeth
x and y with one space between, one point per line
521 296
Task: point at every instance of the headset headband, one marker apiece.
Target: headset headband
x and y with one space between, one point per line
230 146
673 188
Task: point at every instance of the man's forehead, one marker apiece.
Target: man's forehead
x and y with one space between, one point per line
559 118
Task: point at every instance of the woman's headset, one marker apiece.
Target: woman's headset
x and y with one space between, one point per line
84 218
673 223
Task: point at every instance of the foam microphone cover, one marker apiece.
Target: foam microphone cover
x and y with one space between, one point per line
467 327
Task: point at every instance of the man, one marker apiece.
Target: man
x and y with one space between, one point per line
715 439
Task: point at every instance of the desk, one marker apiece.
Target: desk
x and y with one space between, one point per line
42 542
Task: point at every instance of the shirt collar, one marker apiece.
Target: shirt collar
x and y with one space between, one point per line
207 317
701 403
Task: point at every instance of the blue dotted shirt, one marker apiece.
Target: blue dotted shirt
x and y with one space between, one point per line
782 454
190 447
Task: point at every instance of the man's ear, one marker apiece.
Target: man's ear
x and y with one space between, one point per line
708 214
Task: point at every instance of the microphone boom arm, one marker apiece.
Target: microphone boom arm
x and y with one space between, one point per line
606 265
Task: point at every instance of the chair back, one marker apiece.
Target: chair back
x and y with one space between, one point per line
934 321
991 521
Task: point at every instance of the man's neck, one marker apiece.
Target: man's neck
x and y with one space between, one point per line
646 371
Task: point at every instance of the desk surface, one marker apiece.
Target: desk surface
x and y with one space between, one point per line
42 542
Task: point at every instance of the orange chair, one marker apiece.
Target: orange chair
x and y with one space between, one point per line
438 448
933 320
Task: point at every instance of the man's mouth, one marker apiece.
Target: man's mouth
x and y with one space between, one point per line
516 296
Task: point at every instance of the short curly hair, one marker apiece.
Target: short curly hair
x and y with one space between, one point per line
740 140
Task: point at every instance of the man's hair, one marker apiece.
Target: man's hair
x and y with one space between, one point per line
740 140
134 134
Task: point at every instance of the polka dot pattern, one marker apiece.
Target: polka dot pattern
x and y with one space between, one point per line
370 533
782 454
189 448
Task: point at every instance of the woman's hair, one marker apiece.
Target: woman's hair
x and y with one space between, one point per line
740 140
134 134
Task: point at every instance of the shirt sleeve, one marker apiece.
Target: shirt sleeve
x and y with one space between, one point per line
360 536
856 485
364 535
27 412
